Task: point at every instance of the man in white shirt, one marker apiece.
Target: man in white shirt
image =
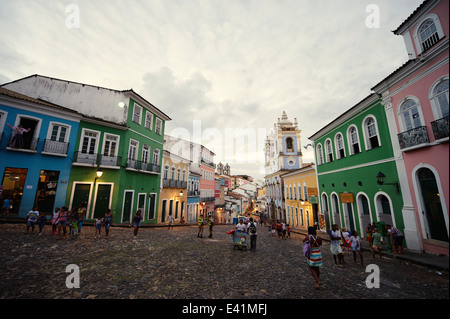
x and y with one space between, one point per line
335 245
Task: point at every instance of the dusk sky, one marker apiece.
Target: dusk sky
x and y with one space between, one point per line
214 66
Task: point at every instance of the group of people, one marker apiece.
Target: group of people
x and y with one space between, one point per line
201 222
342 239
281 229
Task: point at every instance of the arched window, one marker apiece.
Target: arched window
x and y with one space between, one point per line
441 97
329 150
354 140
410 115
428 34
371 133
339 142
319 155
289 145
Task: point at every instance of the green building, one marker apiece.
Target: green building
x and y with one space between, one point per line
118 152
351 152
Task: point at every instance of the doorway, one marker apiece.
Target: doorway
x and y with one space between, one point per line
46 191
127 206
102 200
13 184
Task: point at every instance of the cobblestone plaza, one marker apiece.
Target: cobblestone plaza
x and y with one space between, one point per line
176 264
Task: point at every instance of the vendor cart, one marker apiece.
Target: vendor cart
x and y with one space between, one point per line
239 240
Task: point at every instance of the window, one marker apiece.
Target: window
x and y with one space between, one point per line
289 145
158 128
184 175
428 34
59 133
172 176
155 157
354 140
441 97
132 150
339 142
89 142
110 148
166 172
371 133
319 154
145 153
410 116
305 191
329 150
179 174
148 120
137 111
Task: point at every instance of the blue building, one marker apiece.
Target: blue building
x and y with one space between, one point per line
193 196
35 164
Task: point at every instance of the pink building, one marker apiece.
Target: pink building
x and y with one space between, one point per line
416 100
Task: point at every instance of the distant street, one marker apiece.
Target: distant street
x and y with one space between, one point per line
162 263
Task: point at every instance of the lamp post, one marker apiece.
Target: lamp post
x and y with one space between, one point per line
380 181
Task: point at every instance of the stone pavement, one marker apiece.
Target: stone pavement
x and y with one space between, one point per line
176 264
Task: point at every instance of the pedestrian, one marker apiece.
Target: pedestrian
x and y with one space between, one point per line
72 216
240 226
376 246
81 215
74 229
279 227
345 237
98 226
107 221
200 226
17 139
211 225
397 238
283 225
335 245
288 230
54 220
170 219
32 218
62 222
42 220
273 228
315 259
253 235
137 222
369 231
355 242
6 206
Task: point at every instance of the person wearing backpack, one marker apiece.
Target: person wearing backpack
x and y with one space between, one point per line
251 230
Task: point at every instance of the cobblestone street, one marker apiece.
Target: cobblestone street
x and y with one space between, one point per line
162 263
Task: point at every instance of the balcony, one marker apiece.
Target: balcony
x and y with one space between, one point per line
208 163
85 158
193 193
55 147
440 128
114 161
170 183
142 166
207 199
18 143
414 137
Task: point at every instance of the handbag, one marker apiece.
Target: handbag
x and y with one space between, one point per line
307 248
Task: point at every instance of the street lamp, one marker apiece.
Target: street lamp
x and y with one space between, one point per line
380 181
181 193
99 173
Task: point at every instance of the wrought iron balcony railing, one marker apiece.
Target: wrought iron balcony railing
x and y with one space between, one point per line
110 160
85 158
142 166
18 142
440 128
170 183
55 147
413 137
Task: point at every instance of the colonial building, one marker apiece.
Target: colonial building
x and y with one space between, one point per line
351 152
35 164
282 154
121 135
416 100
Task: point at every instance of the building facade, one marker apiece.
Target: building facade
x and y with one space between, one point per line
35 165
416 99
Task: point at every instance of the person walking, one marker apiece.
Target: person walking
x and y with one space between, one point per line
42 220
273 226
200 226
137 222
211 225
170 220
55 220
107 221
32 218
279 227
6 206
62 222
98 227
315 260
335 245
81 216
376 240
355 243
345 237
251 230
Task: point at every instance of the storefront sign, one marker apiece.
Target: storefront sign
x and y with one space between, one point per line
347 198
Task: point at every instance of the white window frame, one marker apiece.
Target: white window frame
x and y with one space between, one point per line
350 140
416 36
145 150
366 134
50 130
319 154
400 116
158 126
147 115
336 144
329 150
97 139
435 107
136 149
137 107
116 150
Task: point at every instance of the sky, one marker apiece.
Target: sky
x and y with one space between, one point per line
224 71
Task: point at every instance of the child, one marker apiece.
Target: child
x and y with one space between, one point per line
98 227
376 241
32 218
55 220
288 229
355 242
74 228
42 220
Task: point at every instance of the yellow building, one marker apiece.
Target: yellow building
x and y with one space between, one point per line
173 194
300 195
